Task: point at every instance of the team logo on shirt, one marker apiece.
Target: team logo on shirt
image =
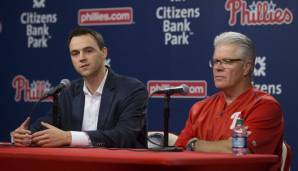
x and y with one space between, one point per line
234 117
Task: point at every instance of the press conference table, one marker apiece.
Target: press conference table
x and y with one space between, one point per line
73 159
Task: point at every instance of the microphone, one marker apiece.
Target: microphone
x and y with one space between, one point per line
64 83
182 89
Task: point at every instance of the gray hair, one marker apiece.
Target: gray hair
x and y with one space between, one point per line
246 46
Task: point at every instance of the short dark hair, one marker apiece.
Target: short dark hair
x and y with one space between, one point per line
84 31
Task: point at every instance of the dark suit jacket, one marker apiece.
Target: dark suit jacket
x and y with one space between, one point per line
122 115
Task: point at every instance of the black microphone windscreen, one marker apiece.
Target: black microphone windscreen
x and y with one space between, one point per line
65 82
185 89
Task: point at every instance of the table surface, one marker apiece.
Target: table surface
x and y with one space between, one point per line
129 159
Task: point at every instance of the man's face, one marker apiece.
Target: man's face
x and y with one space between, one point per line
229 69
87 58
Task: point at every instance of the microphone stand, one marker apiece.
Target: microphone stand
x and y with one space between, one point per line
166 114
55 109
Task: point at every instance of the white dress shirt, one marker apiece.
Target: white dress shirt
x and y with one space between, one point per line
91 110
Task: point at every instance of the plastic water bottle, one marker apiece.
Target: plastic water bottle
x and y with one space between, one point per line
239 139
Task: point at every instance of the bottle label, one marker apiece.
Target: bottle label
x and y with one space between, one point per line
239 142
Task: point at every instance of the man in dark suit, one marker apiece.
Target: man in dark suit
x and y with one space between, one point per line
102 109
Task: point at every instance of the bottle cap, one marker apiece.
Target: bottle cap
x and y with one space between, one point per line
239 121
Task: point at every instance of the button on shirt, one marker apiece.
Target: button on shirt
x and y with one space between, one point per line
91 110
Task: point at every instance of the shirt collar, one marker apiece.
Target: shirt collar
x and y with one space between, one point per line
99 90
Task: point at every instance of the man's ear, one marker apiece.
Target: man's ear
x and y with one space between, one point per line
247 68
105 52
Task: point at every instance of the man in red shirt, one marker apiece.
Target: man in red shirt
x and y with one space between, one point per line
211 120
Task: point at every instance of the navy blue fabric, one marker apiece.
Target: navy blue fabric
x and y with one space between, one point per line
122 114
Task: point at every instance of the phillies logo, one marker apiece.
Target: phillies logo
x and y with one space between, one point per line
30 92
197 88
257 13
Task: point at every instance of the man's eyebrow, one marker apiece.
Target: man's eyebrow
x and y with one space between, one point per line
87 47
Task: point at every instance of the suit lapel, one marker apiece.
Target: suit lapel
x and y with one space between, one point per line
107 97
78 109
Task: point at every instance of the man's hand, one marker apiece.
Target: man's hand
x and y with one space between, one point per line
248 131
51 137
22 136
221 146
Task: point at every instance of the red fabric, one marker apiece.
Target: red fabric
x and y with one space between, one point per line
55 159
211 120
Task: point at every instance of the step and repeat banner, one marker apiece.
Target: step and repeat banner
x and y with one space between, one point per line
161 42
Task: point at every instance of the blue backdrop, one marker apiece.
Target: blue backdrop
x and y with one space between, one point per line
162 41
